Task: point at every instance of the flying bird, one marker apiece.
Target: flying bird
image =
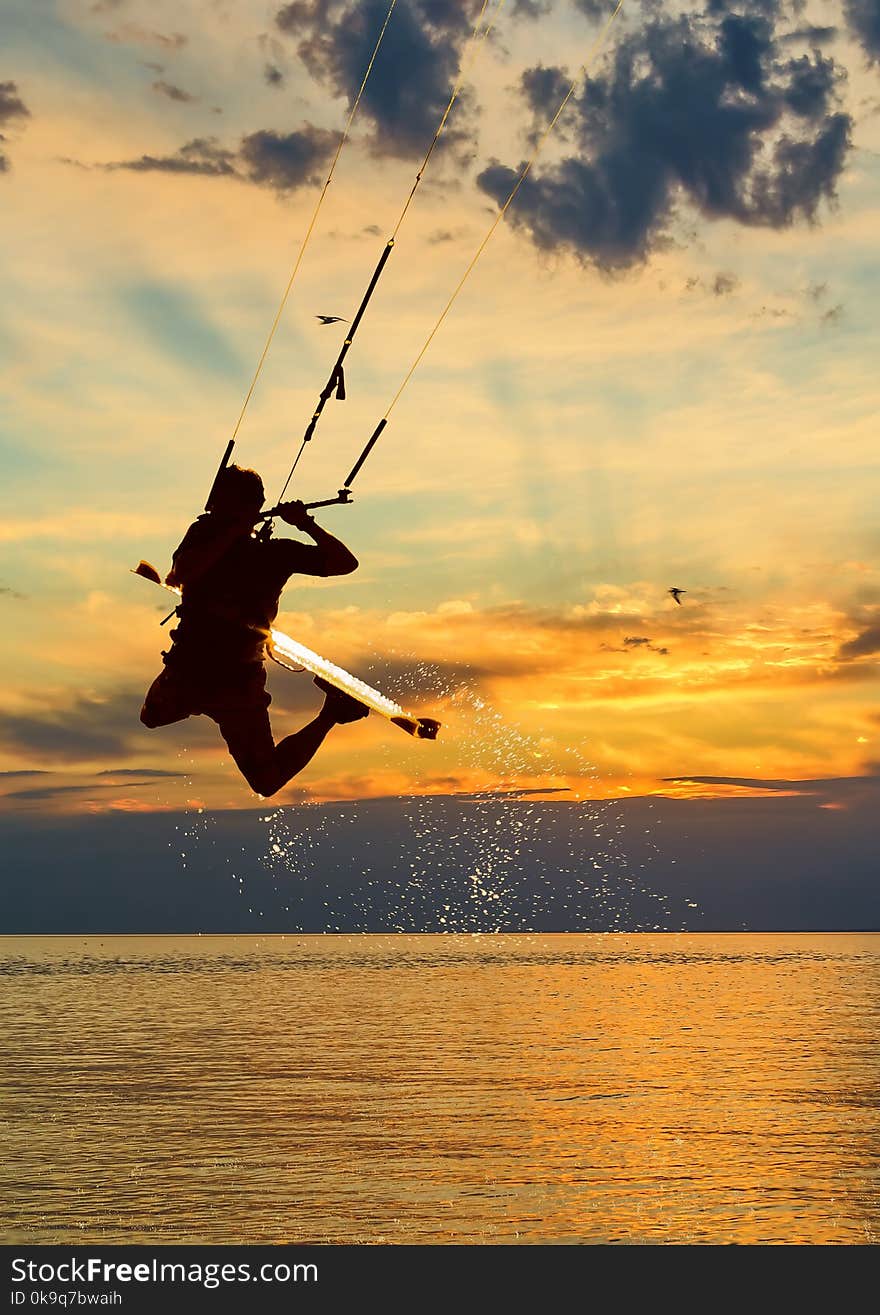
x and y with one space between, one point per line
331 319
676 594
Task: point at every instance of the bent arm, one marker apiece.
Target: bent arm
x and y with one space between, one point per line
329 556
334 557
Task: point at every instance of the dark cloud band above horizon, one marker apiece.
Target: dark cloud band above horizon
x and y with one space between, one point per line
824 786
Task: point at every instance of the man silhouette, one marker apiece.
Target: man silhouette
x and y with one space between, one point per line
231 586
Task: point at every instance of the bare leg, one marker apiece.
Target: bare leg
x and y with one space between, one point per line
267 767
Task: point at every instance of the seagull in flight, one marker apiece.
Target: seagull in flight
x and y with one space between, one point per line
331 319
676 594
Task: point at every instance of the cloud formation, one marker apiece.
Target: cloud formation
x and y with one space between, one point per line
766 148
280 161
414 71
47 793
812 33
203 156
863 17
12 107
531 8
86 729
865 644
285 161
825 787
163 88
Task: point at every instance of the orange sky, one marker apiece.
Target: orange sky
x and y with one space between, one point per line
574 444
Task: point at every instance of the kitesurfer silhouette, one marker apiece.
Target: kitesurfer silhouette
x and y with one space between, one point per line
231 583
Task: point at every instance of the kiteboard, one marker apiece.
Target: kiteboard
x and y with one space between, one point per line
287 651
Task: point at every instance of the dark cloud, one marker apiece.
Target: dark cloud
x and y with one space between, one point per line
12 107
832 316
11 104
824 786
27 771
765 8
531 8
633 643
724 284
816 291
46 792
285 161
275 62
173 93
526 792
88 728
701 109
137 771
412 77
543 88
269 159
811 86
865 643
863 17
202 155
816 36
8 592
771 312
596 9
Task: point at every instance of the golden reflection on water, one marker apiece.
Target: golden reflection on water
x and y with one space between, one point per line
529 1088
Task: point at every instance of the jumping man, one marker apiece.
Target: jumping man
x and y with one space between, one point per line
231 586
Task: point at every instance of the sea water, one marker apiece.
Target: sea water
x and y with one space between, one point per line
668 1088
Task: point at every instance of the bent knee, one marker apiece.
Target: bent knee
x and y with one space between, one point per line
149 718
263 781
153 717
157 712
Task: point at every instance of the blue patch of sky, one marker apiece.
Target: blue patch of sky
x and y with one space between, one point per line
173 321
818 336
23 459
36 36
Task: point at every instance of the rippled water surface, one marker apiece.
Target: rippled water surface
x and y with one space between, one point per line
570 1088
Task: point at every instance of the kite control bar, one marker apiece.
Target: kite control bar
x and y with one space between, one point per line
343 496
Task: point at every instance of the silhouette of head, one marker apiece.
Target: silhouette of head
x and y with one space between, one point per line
238 492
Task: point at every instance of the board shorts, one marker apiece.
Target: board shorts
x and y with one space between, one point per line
234 697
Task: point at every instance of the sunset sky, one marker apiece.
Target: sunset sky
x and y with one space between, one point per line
662 372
